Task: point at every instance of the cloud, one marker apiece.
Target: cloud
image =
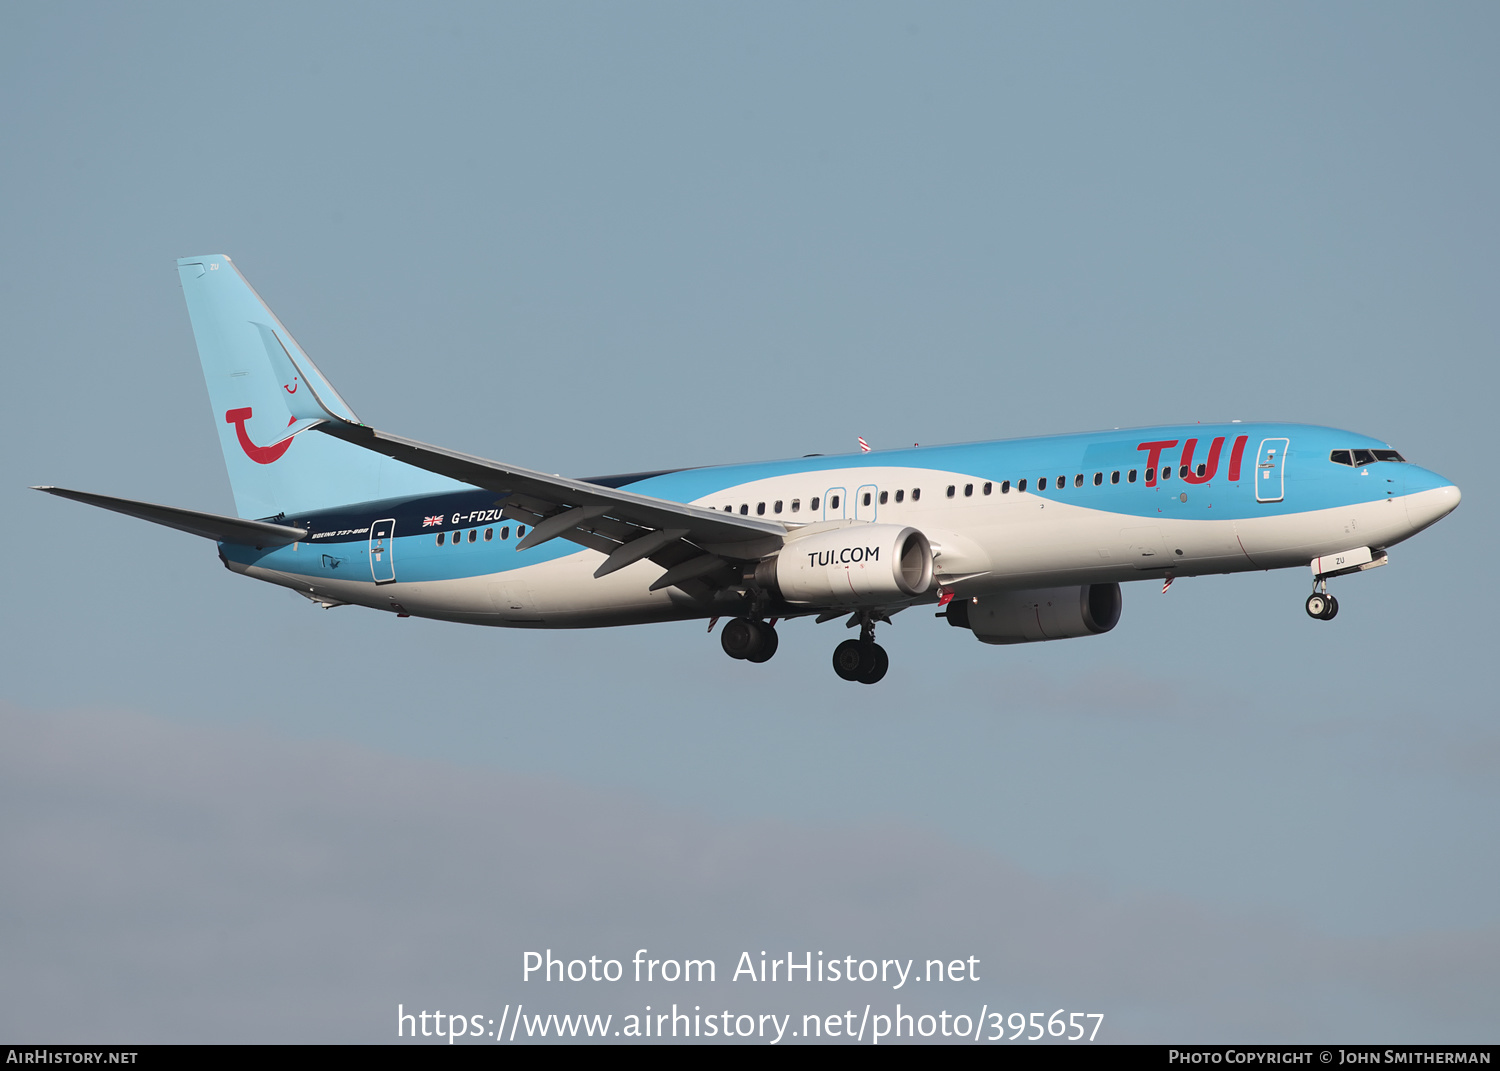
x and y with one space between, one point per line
165 882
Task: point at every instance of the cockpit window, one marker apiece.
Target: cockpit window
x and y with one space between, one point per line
1360 458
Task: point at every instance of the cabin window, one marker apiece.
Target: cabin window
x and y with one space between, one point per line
1021 487
1183 472
813 505
884 497
951 489
1078 480
1041 485
1062 481
1098 479
988 487
760 509
833 502
1150 475
777 508
968 490
1130 476
916 493
1166 472
473 535
1114 477
1202 470
520 531
505 532
900 495
489 534
728 509
744 509
796 504
1004 487
866 499
440 539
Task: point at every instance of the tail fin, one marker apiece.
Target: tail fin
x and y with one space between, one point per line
260 383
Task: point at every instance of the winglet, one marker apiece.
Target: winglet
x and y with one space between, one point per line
300 382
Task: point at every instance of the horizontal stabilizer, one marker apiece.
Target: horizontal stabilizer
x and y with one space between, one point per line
208 525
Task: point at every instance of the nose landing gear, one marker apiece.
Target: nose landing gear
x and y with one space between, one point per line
1320 604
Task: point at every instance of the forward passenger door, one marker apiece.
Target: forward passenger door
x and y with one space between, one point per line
1270 470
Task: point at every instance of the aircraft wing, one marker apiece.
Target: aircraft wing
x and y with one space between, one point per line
208 525
693 544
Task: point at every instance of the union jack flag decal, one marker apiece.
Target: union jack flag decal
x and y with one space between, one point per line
428 522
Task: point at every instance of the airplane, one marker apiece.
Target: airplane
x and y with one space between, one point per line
1015 541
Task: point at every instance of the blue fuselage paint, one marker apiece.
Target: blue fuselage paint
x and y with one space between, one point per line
1111 483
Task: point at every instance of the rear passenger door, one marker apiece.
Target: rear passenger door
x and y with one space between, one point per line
382 550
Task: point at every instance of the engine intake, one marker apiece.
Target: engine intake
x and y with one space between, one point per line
1039 614
860 564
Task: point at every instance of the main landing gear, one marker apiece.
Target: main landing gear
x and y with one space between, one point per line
1320 604
861 660
754 641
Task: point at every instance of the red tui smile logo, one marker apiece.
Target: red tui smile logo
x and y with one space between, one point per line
261 455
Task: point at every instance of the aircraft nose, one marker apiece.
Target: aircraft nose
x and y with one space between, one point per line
1429 499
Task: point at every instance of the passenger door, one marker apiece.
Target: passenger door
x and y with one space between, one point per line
382 551
1270 470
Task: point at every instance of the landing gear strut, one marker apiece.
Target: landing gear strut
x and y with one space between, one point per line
1320 604
754 641
861 660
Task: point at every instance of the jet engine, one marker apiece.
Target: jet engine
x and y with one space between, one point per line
859 564
1039 614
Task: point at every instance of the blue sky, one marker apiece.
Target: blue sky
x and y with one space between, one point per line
599 238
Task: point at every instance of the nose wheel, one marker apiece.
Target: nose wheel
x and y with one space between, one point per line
1321 605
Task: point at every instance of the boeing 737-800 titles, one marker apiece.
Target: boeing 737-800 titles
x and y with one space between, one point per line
1016 541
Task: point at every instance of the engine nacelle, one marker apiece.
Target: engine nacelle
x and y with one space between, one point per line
1039 614
859 564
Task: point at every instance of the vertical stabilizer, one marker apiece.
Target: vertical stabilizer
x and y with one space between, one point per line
264 389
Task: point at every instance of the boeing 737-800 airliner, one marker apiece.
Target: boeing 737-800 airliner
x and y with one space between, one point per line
1016 541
